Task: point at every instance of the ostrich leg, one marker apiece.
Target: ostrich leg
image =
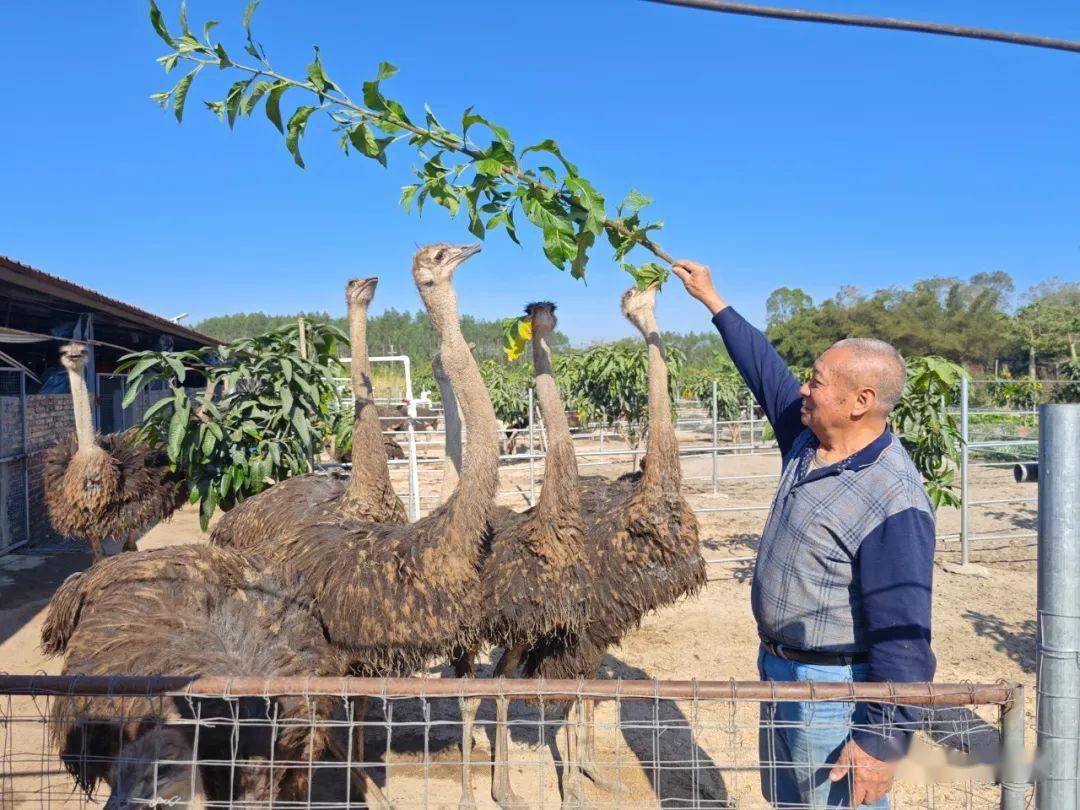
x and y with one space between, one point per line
501 791
573 791
588 752
463 668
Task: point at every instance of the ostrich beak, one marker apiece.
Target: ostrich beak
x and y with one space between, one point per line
468 251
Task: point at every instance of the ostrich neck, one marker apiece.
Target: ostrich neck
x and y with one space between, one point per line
369 477
559 493
452 425
469 508
662 449
80 400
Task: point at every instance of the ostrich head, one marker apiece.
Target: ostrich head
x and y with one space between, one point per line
543 317
361 290
74 356
156 768
639 307
434 265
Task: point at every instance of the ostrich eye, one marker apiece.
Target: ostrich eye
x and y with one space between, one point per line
440 255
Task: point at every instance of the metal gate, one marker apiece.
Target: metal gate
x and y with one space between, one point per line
14 479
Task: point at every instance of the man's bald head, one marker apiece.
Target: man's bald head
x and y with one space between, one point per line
872 363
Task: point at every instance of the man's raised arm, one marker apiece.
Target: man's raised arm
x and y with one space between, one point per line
768 377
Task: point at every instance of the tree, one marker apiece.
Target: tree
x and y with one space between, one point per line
263 416
784 303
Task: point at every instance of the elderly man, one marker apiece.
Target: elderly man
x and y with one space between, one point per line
842 583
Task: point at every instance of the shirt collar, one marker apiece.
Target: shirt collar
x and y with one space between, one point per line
858 460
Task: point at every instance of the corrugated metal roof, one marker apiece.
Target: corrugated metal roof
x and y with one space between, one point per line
39 280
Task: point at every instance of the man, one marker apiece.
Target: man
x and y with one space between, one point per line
842 583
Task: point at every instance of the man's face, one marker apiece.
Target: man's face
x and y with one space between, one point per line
829 398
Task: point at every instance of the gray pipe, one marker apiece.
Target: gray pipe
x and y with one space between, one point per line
1058 639
1026 473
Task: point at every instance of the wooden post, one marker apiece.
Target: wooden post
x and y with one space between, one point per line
302 339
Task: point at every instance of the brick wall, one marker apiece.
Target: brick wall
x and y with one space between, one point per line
49 417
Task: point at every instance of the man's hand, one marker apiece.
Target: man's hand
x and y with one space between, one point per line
698 282
871 778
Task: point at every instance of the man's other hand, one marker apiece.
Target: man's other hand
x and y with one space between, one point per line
871 778
698 282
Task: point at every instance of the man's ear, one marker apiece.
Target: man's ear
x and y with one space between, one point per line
865 400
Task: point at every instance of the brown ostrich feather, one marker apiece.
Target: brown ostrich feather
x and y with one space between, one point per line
116 490
195 611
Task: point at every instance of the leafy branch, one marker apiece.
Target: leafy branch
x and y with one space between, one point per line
490 183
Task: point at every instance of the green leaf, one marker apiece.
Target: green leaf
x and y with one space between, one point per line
318 77
386 70
223 58
588 198
158 22
407 194
257 92
634 201
585 241
366 143
183 18
295 130
178 426
489 166
207 28
169 61
273 105
249 12
548 145
233 99
180 92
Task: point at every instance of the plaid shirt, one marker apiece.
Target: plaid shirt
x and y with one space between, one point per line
845 562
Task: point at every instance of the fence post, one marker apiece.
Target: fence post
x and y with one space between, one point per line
964 552
410 432
1058 638
1013 776
532 452
715 439
751 410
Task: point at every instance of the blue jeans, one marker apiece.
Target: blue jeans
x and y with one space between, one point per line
798 742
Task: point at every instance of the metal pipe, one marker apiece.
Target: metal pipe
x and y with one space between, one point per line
1026 473
410 432
751 412
715 440
1058 638
914 694
964 503
1014 779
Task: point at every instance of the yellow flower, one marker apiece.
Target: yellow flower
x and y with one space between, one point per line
525 329
514 352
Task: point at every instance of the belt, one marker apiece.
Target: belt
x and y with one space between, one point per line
818 657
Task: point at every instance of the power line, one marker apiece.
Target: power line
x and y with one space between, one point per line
890 23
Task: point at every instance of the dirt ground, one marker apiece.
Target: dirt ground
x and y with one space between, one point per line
678 751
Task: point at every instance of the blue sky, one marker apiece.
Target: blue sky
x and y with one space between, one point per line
779 153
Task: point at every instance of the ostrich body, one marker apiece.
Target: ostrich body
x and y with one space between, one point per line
195 611
366 494
641 539
110 486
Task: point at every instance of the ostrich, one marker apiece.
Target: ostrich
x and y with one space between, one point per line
100 487
189 611
366 494
641 539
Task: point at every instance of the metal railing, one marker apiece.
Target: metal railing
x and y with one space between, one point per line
407 742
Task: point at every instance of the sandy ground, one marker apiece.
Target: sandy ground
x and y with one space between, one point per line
682 752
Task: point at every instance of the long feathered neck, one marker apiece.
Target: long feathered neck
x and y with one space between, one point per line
452 428
80 400
468 509
661 448
369 478
559 495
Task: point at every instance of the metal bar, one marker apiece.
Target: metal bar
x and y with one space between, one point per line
26 457
1013 776
1058 636
715 440
915 694
1004 500
410 432
888 23
750 408
964 503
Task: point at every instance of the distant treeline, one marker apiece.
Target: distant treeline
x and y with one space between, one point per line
974 322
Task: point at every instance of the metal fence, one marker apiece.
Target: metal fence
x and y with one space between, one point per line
14 461
338 742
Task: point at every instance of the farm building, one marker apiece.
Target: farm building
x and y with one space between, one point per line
38 312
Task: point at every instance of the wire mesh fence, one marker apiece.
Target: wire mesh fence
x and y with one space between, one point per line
409 742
